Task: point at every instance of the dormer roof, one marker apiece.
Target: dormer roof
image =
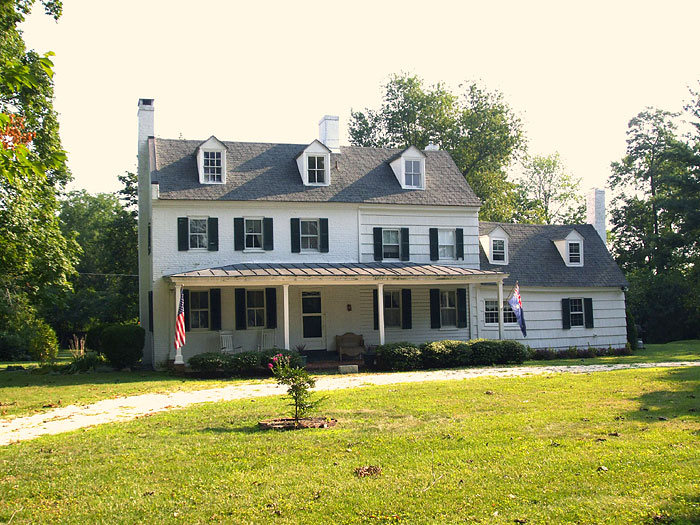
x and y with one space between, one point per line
211 143
315 146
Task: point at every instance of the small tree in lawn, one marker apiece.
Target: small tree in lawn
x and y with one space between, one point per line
298 382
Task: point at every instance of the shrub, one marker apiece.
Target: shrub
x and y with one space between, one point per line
298 382
92 337
122 345
398 356
84 363
435 355
543 354
43 343
210 362
13 347
512 352
267 355
484 352
246 364
632 335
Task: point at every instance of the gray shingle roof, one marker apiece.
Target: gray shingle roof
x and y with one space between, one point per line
268 172
535 261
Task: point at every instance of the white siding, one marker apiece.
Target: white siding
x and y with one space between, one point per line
419 223
543 317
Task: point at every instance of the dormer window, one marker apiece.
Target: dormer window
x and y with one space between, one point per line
574 253
413 177
498 250
211 161
316 169
212 166
314 164
409 168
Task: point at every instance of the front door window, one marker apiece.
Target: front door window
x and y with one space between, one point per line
312 318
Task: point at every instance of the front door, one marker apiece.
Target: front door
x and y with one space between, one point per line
312 321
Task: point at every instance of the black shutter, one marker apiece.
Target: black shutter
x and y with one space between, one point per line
435 308
183 234
378 256
215 306
271 307
459 237
405 246
588 311
375 307
213 234
240 309
565 314
406 309
268 241
187 308
238 234
296 235
434 253
150 311
461 307
323 240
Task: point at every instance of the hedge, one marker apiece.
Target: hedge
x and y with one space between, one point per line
122 345
242 364
398 356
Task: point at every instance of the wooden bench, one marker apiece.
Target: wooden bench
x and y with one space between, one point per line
352 345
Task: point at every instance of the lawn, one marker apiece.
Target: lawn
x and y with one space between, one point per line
613 447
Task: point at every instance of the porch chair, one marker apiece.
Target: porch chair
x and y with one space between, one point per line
226 343
352 345
266 340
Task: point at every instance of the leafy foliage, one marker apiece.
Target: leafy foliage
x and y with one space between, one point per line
122 345
478 128
299 384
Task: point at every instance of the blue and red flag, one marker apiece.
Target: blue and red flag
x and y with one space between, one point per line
517 305
180 323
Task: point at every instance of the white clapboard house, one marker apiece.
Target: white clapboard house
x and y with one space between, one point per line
281 245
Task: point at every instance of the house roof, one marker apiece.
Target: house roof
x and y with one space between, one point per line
355 271
269 172
535 261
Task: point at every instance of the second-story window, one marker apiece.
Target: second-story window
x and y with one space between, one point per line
254 233
309 234
446 244
413 174
390 244
574 252
198 233
317 169
212 166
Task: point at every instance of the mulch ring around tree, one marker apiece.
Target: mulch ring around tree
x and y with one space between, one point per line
288 423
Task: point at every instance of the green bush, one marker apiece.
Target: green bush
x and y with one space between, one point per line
484 352
398 356
266 356
85 363
43 343
210 362
446 354
93 335
122 345
512 352
13 347
632 336
247 364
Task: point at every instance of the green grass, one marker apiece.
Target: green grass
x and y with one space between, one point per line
676 351
492 450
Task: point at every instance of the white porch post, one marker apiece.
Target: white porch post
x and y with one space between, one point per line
380 311
178 351
500 309
285 308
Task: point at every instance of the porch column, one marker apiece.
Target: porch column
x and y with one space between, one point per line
178 351
500 309
285 309
380 312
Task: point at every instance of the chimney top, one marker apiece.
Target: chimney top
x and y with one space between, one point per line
328 132
432 147
146 103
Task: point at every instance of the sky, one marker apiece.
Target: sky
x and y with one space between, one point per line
575 72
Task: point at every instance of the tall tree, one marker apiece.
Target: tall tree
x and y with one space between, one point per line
553 192
478 128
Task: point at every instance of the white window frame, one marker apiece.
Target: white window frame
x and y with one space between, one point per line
568 253
248 308
420 174
453 245
214 146
303 235
195 312
397 244
398 308
491 307
208 176
246 234
325 159
205 235
447 294
582 312
492 240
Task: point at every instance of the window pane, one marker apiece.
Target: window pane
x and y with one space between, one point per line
312 326
311 305
198 226
309 227
253 226
256 299
446 252
392 318
390 236
448 317
391 252
320 163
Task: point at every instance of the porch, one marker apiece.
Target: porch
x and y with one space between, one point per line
305 306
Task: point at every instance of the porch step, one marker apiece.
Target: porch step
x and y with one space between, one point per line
348 369
332 365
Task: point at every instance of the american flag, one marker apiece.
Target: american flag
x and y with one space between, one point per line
516 305
180 323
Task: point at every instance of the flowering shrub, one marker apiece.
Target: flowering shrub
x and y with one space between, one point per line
298 382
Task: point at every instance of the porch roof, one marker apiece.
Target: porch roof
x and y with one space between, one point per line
337 273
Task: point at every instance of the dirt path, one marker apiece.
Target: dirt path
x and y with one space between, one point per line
73 417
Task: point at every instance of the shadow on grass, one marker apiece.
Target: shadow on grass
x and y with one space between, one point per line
682 509
32 378
661 405
248 429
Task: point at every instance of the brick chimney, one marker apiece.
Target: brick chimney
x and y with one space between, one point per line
328 132
595 211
